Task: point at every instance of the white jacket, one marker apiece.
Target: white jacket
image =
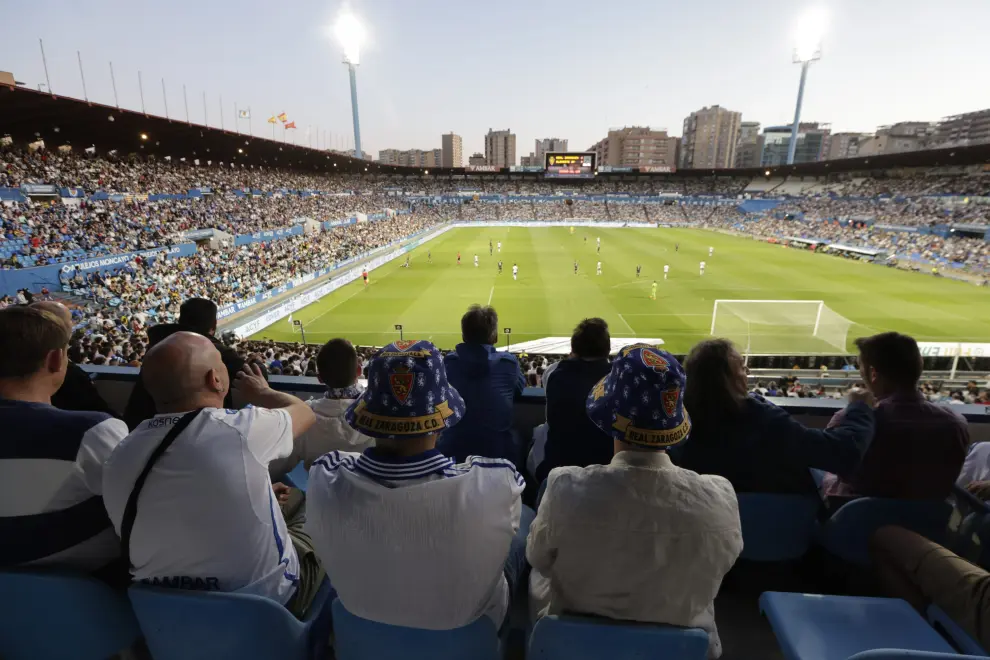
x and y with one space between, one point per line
330 432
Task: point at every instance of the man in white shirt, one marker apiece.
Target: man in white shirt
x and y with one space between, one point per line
515 271
408 537
338 368
207 516
666 269
677 533
702 267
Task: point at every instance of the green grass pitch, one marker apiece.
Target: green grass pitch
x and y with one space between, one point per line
548 299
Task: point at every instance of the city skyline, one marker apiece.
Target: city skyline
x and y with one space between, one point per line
867 77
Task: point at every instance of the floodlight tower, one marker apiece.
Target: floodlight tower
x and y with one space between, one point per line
810 29
351 34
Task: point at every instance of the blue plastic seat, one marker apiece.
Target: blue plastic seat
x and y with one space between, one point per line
777 527
298 477
813 627
62 615
903 654
940 620
356 638
847 533
200 625
588 638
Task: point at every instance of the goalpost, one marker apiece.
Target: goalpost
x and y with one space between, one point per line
781 326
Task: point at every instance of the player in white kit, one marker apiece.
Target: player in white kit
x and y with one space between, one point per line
475 261
499 245
702 267
599 268
515 271
711 251
666 269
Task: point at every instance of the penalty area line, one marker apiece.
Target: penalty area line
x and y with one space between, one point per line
490 294
627 324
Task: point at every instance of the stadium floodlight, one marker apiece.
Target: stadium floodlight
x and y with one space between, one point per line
808 48
351 34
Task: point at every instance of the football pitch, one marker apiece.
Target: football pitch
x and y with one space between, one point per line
548 299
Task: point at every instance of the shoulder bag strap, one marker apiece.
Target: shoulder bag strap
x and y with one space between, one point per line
130 510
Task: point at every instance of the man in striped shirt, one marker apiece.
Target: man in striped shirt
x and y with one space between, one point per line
408 536
51 460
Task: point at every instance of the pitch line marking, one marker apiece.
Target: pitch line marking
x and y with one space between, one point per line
627 324
490 294
337 304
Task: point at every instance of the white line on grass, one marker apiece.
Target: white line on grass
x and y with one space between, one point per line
627 324
490 294
337 304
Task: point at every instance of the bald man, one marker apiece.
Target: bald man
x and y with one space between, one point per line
208 516
77 391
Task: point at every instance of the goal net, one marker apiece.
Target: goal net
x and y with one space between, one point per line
781 326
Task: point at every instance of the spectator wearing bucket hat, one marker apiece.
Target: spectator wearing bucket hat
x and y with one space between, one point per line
677 533
413 538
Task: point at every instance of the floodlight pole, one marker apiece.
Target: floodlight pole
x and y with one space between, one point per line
792 147
352 70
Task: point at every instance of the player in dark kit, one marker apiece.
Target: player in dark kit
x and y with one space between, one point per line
458 258
639 269
677 247
490 247
575 268
429 256
499 267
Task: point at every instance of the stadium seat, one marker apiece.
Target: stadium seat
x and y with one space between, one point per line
61 615
360 639
587 638
813 627
847 533
959 637
298 477
199 625
904 654
777 527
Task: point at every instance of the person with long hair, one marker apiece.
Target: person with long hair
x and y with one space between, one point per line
751 442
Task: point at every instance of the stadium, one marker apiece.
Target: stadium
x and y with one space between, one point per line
330 378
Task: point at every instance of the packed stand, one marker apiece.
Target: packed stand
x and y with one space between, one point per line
641 455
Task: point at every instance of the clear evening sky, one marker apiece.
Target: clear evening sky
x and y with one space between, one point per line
544 68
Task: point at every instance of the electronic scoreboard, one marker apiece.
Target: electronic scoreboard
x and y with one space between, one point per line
569 165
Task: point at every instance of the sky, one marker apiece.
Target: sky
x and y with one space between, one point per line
543 68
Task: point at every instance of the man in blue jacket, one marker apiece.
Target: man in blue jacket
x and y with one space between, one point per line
488 380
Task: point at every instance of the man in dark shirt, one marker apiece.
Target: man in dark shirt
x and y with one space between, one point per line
197 315
572 438
918 447
488 380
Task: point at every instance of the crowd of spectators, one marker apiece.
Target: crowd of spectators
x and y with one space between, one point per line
888 211
433 433
124 300
971 253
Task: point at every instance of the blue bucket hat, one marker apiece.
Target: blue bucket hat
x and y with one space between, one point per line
641 401
408 394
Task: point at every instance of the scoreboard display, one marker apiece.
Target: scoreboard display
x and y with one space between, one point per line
569 165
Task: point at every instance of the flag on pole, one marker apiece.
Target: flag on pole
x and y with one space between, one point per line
244 114
283 117
291 124
272 120
290 319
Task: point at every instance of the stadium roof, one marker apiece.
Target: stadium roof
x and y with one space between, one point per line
27 114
